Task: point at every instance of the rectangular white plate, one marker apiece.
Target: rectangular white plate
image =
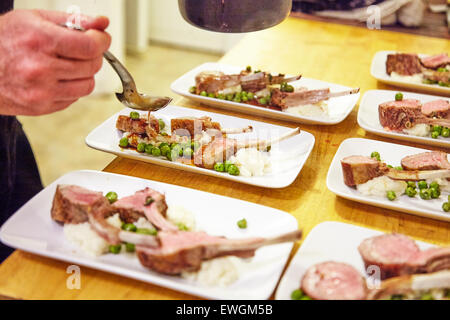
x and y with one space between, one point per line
378 71
292 153
368 116
328 241
392 154
339 108
32 229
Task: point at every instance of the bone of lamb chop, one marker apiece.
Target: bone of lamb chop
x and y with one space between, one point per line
404 114
74 204
220 149
285 100
397 255
185 251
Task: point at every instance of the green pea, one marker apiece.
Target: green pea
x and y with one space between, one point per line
262 101
257 71
391 195
211 95
429 81
182 227
444 84
221 96
204 93
193 89
148 149
411 192
163 134
150 232
375 155
195 145
422 185
244 94
229 97
178 150
219 167
297 294
446 206
188 152
123 142
411 184
162 124
227 164
389 166
141 147
435 134
427 296
244 98
399 168
156 152
129 227
249 68
115 248
237 99
399 96
435 185
250 96
437 129
164 150
442 70
425 194
435 193
445 132
233 170
111 196
134 115
242 224
130 247
397 297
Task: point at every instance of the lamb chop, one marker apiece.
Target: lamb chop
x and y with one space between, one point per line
215 82
434 160
140 126
437 108
145 203
360 169
285 100
192 126
221 149
436 285
404 114
334 281
405 64
436 61
74 204
397 255
185 251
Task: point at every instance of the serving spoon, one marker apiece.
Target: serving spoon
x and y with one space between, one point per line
130 97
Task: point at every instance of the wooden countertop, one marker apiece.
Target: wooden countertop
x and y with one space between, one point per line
330 52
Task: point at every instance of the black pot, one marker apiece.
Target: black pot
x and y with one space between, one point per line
234 16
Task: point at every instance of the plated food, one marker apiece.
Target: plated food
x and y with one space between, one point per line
366 264
412 70
406 116
158 233
227 147
272 95
392 176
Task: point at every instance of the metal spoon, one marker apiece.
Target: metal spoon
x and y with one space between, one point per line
130 97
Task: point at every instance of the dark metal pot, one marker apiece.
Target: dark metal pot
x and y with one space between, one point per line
234 15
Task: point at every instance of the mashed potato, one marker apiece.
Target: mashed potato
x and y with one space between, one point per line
420 130
252 162
220 271
180 215
310 110
415 78
380 186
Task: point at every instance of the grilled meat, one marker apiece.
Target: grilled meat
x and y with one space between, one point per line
192 126
360 169
436 61
437 108
434 160
138 126
404 64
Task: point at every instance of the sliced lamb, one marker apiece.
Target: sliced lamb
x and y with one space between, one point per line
399 115
138 126
185 251
436 61
390 252
192 126
71 203
334 281
404 64
433 160
427 261
359 169
145 203
214 81
437 108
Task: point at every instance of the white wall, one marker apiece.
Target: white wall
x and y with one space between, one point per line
106 79
167 25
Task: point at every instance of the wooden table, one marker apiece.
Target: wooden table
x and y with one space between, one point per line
331 52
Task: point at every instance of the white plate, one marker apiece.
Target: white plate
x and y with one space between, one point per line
32 229
292 153
392 154
328 241
378 71
339 108
368 116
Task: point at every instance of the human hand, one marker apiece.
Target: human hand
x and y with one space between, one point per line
45 67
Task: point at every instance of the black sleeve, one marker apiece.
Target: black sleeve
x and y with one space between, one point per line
6 5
